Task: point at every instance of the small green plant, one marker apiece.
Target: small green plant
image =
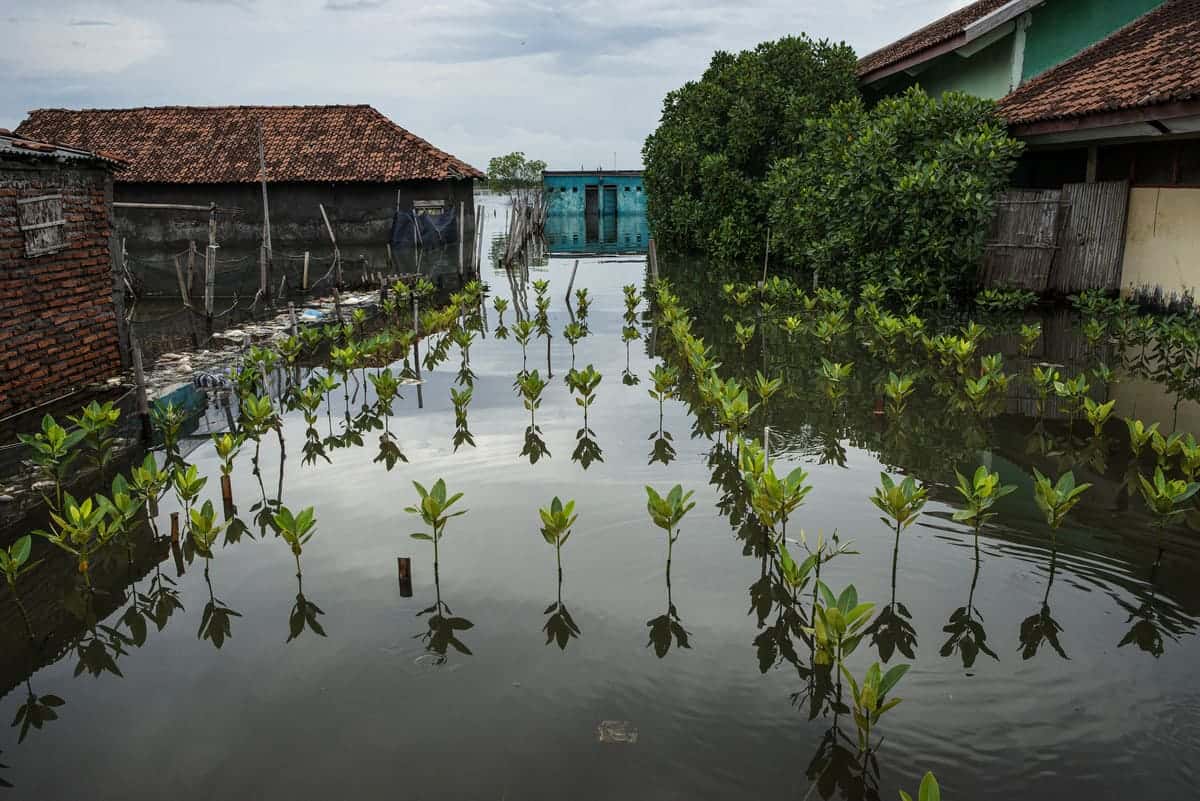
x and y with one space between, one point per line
744 334
929 790
901 502
664 378
14 563
523 334
531 386
1030 334
81 529
871 698
1139 435
1058 498
1043 379
97 422
205 529
500 305
838 625
836 377
584 382
980 493
1165 447
765 387
898 389
188 483
53 452
434 509
667 512
1097 414
296 529
227 446
772 498
168 419
557 520
1164 498
573 333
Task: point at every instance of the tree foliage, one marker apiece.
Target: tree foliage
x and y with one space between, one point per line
718 136
514 171
900 194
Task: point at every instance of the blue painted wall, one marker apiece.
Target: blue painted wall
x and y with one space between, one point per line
565 191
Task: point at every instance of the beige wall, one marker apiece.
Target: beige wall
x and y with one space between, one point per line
1162 240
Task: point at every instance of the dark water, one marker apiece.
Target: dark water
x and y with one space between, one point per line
384 705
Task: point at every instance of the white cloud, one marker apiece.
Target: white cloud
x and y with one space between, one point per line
79 41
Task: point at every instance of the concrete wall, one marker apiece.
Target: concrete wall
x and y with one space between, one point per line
565 193
361 213
1062 28
1162 240
58 315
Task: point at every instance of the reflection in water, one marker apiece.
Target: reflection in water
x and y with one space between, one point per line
216 624
304 614
839 769
967 635
443 628
586 234
1041 628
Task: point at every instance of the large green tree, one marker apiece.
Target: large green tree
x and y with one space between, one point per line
514 172
900 194
718 137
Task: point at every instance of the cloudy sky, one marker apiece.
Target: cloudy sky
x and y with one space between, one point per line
576 82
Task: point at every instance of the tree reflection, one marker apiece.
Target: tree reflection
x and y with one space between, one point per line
217 620
667 629
443 627
304 614
1151 620
1041 628
535 447
838 768
967 635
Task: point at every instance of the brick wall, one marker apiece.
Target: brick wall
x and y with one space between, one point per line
58 322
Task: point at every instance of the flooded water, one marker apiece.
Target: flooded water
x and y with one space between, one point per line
1035 673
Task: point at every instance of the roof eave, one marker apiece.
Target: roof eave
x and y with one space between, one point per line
1161 112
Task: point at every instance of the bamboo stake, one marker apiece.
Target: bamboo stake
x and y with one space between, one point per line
304 280
183 293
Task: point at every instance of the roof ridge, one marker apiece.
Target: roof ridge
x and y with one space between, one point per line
226 107
965 12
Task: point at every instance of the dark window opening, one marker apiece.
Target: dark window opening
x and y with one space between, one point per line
1155 163
1050 169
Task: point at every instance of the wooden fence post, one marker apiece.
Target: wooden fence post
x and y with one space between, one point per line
304 280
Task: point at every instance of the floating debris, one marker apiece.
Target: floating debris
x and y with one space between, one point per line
616 731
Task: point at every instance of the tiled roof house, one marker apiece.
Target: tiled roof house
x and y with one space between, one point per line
351 159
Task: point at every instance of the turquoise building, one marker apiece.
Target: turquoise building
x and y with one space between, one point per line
594 192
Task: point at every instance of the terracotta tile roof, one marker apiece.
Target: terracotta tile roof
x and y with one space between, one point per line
934 34
219 144
18 146
1154 59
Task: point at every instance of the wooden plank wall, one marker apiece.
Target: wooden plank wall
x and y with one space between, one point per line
1023 240
1093 243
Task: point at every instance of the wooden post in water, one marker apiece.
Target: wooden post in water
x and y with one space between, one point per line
304 280
572 282
174 528
652 258
183 293
264 289
210 278
191 267
295 322
462 226
404 574
337 256
337 304
139 378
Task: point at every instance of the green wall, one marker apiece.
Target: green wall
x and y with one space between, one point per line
1062 28
985 74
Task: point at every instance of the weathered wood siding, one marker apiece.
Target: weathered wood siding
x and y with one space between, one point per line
1023 240
1093 240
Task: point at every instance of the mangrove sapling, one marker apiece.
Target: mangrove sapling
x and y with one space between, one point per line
1072 391
928 791
14 563
1189 457
573 333
664 378
980 494
531 386
433 508
557 520
765 387
523 333
744 334
204 530
1139 435
836 377
774 499
870 699
898 389
149 482
81 529
838 625
295 529
227 447
1058 498
188 483
667 511
53 453
98 422
1097 414
1165 447
500 305
1164 498
1030 334
462 434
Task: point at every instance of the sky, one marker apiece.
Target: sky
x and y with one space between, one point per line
575 83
